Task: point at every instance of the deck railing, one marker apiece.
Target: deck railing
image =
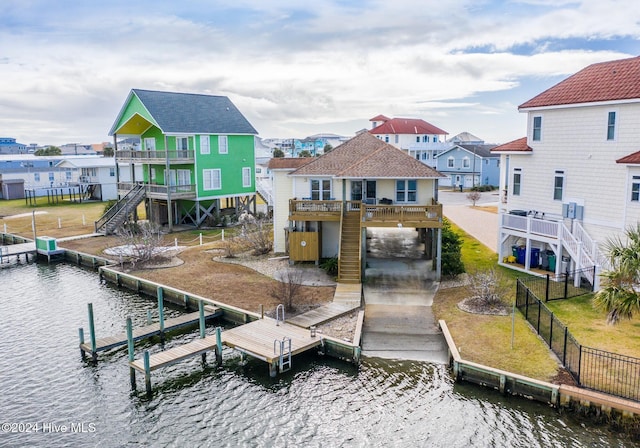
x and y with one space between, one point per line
181 154
402 213
297 206
162 191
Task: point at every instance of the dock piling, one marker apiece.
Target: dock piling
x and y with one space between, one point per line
130 349
161 311
81 335
147 372
92 333
149 320
219 346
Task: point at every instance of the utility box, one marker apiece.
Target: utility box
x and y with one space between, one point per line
46 244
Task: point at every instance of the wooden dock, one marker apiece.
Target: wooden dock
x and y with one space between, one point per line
274 342
148 331
16 250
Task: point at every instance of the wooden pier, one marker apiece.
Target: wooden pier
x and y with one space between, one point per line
16 250
148 331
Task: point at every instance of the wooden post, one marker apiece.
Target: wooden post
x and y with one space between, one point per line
92 332
219 346
201 310
147 372
261 311
81 335
273 369
161 311
132 371
149 320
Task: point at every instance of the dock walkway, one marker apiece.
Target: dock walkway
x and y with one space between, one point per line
347 298
15 250
148 331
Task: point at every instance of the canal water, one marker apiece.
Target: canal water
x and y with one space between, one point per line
46 388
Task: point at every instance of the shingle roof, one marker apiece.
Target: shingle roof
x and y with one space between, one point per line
605 81
515 145
284 163
631 158
193 113
365 156
380 118
480 150
407 126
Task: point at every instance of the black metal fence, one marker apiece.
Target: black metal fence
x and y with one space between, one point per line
591 368
562 286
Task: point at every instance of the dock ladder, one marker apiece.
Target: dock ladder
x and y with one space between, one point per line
278 309
284 358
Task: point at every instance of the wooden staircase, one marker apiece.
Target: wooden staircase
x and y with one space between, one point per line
349 260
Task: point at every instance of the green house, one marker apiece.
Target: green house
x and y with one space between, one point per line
196 154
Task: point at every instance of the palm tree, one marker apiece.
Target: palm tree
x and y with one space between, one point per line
619 294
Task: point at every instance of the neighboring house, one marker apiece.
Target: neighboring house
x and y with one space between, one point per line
469 166
576 177
310 144
10 146
96 175
416 137
466 138
77 149
323 205
197 155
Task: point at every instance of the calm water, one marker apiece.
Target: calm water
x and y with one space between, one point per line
322 402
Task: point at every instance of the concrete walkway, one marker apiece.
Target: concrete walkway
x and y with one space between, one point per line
398 294
481 224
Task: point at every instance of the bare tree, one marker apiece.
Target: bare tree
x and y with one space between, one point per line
142 242
257 233
474 196
287 287
489 287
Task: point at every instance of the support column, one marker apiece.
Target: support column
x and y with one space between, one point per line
167 176
439 255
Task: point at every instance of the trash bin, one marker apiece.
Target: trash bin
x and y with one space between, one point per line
533 259
552 261
544 259
521 254
518 212
565 264
514 251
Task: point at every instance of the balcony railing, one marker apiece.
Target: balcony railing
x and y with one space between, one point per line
183 155
372 215
162 191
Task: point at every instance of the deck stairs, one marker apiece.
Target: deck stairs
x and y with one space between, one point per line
118 214
264 190
349 265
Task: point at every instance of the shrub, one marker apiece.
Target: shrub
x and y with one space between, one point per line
452 265
330 265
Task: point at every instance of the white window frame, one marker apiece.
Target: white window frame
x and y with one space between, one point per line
466 162
182 143
205 144
635 189
212 179
612 128
246 177
323 194
534 129
518 172
406 191
223 144
559 175
153 175
150 144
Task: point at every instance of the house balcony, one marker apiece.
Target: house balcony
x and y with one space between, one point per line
156 157
382 215
155 191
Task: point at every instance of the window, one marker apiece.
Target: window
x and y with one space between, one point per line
425 156
51 177
204 145
425 139
558 185
36 177
466 163
537 129
150 144
417 139
450 162
517 179
246 177
112 172
435 139
211 179
67 174
635 189
182 143
397 138
223 144
406 190
611 126
386 139
153 175
320 189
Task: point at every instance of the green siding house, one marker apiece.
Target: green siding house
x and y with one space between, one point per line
196 153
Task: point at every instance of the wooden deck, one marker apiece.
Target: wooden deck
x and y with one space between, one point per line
145 332
257 339
176 354
15 250
348 297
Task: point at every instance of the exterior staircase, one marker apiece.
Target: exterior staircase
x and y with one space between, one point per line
116 215
349 265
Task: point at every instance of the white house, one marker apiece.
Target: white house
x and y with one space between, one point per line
96 174
575 180
416 137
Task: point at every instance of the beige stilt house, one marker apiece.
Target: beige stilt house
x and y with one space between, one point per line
323 206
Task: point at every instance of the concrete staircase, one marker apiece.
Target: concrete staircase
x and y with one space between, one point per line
349 267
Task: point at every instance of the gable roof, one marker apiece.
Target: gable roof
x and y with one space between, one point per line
407 126
605 81
380 118
365 156
88 162
288 163
479 150
190 113
519 145
631 158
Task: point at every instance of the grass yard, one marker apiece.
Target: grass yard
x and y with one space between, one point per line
487 339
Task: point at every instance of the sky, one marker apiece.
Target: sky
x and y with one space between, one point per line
296 68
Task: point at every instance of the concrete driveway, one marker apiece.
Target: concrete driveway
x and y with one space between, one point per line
398 294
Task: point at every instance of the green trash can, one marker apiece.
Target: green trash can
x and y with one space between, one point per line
552 260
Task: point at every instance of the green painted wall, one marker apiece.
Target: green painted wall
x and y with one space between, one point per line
134 107
157 134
